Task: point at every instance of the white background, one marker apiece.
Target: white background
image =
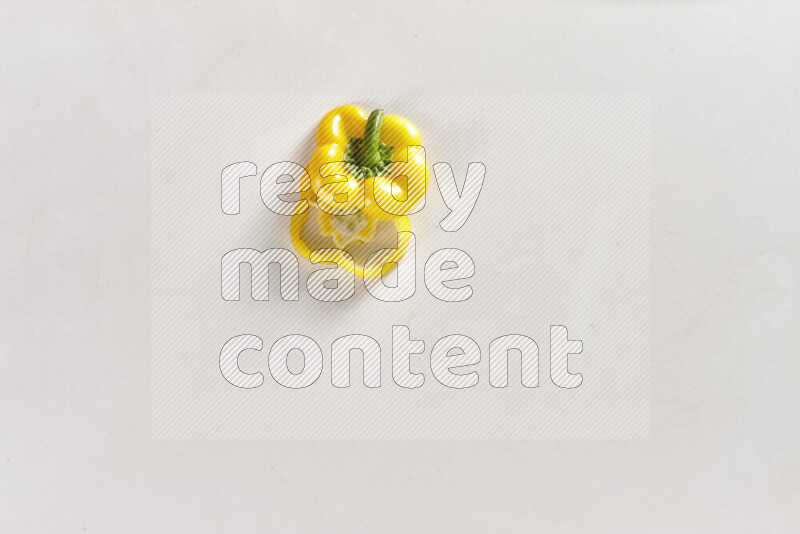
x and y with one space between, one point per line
75 451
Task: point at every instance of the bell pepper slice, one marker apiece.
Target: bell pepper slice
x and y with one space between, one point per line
298 221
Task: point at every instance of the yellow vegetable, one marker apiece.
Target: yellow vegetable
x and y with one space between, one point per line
365 168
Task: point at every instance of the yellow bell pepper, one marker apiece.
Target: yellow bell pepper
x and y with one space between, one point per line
365 168
362 149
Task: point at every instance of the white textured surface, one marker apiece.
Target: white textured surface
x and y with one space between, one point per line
75 453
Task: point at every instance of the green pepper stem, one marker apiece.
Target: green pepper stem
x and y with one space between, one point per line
368 154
